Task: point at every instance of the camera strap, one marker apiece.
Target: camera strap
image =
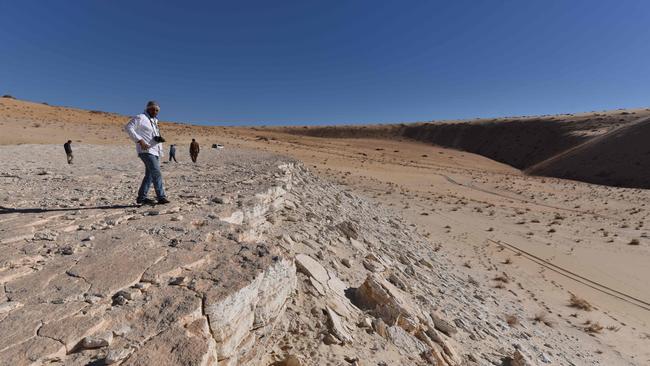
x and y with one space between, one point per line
154 126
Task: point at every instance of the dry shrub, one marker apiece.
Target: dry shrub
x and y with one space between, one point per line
579 303
199 223
472 280
542 317
593 328
512 320
634 242
502 278
507 261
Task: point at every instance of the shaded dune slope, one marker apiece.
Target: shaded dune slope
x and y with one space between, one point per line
619 158
518 143
604 148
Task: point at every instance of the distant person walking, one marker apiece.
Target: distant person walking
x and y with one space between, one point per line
194 150
68 150
172 153
143 130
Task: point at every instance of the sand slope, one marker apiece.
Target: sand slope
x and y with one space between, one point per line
617 158
526 142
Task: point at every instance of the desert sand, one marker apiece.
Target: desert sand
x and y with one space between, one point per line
513 265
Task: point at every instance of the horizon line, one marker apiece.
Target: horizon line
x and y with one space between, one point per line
334 124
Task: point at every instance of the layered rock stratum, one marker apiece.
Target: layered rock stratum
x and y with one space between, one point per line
256 262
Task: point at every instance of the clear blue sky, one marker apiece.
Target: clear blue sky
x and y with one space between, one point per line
335 61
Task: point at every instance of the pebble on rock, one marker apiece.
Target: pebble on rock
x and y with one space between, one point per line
92 342
116 355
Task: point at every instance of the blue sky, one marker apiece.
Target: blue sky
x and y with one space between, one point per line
325 62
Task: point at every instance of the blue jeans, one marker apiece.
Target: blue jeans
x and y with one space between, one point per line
153 175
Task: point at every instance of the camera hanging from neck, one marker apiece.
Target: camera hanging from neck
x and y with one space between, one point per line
155 128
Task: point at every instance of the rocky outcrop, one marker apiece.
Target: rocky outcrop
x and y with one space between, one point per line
198 283
338 309
376 306
239 320
403 322
257 262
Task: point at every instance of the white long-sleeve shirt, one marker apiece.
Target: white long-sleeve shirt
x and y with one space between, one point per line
142 127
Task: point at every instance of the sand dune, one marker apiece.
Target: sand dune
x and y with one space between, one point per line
525 142
616 158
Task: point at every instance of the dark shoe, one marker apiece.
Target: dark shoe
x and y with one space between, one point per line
163 201
145 201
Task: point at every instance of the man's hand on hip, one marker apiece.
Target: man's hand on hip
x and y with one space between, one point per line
143 145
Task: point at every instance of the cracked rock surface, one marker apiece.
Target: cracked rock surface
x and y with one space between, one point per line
88 277
255 262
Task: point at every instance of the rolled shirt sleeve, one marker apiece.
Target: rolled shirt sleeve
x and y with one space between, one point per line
131 129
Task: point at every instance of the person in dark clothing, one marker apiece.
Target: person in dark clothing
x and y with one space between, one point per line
172 153
194 150
68 151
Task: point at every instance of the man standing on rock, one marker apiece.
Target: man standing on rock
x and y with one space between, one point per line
143 130
68 150
194 150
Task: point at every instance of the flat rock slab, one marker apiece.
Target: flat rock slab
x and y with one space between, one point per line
34 350
175 346
23 323
116 264
164 285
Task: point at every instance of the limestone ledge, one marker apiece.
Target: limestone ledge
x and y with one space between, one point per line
155 310
245 317
251 216
248 315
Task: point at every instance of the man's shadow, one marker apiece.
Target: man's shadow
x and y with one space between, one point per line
10 210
